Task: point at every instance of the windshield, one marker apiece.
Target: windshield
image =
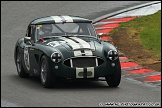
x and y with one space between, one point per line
67 29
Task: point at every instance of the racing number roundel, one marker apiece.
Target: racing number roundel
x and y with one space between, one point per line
26 58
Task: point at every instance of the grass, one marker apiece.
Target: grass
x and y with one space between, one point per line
148 31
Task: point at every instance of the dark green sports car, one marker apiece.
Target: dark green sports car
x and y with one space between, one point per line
66 47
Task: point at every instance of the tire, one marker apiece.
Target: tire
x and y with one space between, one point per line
114 79
20 69
46 78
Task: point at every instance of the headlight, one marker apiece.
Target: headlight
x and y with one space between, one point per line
112 55
56 57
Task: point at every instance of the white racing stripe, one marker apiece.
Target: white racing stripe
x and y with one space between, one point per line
90 69
74 45
77 53
81 70
88 52
68 18
57 19
81 41
77 72
84 44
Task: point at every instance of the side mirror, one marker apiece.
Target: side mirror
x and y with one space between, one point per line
27 40
99 35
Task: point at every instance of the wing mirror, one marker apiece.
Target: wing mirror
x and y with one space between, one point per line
27 40
99 35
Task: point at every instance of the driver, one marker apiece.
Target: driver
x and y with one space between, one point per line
46 30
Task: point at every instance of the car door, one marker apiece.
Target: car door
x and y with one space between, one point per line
30 58
26 53
34 52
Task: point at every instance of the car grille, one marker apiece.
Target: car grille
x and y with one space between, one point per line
83 62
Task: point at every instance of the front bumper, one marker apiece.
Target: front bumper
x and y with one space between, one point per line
63 71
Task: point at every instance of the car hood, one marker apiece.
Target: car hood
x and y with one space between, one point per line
76 46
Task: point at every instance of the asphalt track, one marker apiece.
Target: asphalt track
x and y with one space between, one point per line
15 91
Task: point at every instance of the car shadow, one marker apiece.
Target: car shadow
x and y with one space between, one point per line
35 82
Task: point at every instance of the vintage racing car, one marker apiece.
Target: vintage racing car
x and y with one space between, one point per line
66 47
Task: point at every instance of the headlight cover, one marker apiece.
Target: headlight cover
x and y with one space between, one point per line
56 57
112 55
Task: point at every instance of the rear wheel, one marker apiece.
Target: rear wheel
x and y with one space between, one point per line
20 68
46 77
114 79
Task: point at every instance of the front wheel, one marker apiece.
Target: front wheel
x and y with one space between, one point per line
114 79
46 77
20 68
